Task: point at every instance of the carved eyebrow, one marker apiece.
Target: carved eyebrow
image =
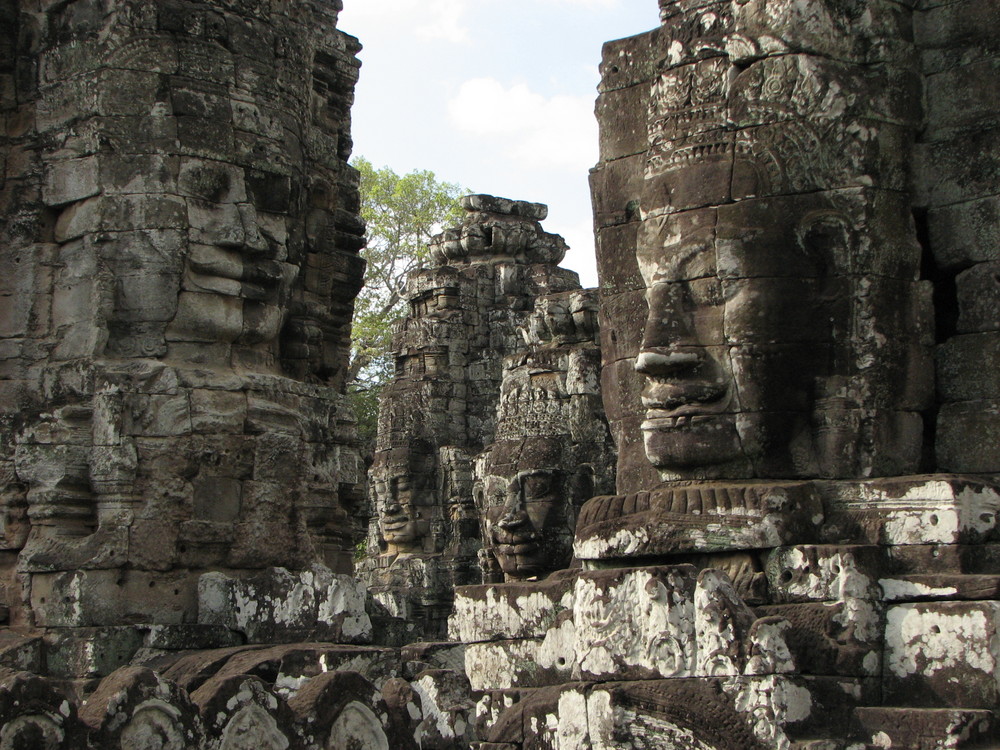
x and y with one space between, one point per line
677 262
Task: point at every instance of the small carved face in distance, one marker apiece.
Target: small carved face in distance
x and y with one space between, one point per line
529 531
748 321
404 519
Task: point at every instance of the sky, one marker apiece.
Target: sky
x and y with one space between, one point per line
495 95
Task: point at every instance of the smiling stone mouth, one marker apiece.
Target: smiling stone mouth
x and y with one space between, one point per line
658 423
517 549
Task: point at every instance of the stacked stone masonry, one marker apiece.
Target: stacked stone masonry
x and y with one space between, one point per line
745 495
492 433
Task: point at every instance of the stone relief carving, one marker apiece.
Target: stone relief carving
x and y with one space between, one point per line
200 231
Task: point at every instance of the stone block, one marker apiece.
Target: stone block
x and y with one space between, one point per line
966 367
953 34
636 623
714 517
90 598
837 638
824 573
279 604
510 611
622 114
138 174
963 98
275 455
20 653
146 297
940 586
500 665
158 415
923 727
630 61
71 180
942 654
968 436
965 233
616 187
217 499
958 170
215 411
979 298
90 652
622 318
913 510
928 559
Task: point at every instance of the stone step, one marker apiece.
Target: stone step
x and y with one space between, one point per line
925 728
20 652
817 744
944 558
942 654
939 586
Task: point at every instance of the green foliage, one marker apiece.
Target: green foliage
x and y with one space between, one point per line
403 212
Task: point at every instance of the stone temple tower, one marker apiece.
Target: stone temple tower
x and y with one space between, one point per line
468 312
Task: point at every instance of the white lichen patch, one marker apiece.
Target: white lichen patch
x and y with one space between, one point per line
573 729
623 543
896 590
434 712
507 664
497 616
924 638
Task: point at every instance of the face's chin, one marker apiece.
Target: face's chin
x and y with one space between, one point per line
690 442
520 560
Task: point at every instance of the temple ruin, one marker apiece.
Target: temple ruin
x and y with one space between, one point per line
743 495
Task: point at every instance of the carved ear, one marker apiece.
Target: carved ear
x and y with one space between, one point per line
827 238
581 485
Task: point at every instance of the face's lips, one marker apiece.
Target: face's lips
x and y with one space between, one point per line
672 405
517 550
395 523
254 278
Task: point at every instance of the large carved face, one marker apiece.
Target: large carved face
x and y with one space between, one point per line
220 189
528 530
748 327
237 273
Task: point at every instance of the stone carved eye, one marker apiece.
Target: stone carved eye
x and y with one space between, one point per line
207 183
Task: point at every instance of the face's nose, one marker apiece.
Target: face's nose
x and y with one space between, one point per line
513 518
669 343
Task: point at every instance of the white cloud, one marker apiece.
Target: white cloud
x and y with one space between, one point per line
441 20
588 3
537 132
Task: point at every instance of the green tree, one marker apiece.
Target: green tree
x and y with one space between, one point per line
403 212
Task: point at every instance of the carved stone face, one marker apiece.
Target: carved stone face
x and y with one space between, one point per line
153 728
748 327
404 517
222 193
527 529
237 273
